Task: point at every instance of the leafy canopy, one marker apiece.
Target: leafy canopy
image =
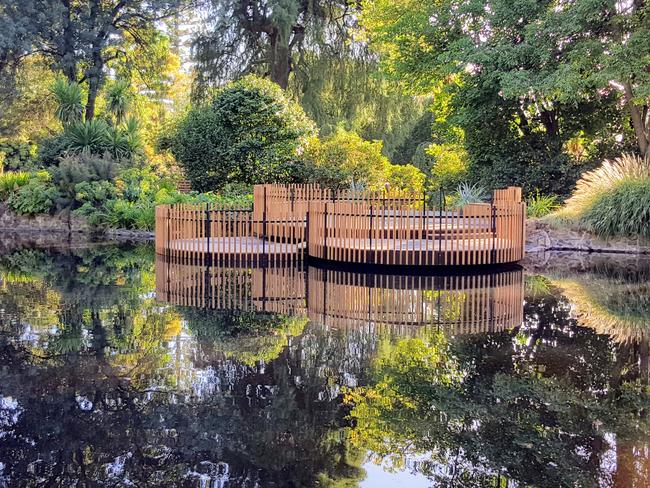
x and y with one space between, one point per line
249 133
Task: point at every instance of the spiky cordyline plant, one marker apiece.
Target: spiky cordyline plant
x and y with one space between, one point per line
68 96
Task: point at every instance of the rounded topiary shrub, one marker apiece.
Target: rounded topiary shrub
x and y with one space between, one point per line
250 132
623 210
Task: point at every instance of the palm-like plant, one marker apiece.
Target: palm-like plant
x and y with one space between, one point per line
118 100
68 96
89 137
467 194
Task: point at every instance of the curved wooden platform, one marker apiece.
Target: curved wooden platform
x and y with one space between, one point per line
289 222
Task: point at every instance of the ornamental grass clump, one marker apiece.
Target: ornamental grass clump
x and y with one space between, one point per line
594 184
610 200
624 210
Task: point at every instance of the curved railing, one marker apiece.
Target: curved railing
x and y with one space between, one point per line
395 234
289 221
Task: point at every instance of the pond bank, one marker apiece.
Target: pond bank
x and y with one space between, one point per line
52 229
547 247
543 243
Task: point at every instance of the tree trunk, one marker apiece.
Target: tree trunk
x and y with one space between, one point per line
68 56
639 122
93 88
279 59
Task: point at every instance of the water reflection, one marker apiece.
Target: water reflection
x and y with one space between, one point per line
302 377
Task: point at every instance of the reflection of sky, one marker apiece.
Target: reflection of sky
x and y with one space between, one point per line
376 477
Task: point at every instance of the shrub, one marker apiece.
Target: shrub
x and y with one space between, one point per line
93 138
539 205
406 178
623 210
249 133
344 159
18 156
37 196
89 137
11 182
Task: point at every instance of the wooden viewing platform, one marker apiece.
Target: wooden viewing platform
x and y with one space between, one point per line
288 222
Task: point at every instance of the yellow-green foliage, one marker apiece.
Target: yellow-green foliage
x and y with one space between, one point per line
405 178
12 181
345 160
449 168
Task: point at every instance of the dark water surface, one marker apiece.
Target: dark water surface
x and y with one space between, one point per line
117 370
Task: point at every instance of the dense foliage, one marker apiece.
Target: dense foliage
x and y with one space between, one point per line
249 132
535 87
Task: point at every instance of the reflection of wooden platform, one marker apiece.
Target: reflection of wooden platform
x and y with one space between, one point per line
459 304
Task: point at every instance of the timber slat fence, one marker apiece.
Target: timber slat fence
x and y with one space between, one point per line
289 221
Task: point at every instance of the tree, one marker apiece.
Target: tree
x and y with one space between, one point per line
25 103
250 132
553 73
267 39
79 37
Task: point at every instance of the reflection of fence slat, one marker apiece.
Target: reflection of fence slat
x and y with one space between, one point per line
460 304
263 289
340 299
362 228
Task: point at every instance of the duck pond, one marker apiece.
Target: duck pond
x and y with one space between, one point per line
118 368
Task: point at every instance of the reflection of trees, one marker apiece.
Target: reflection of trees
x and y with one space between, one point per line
93 399
247 337
81 421
538 408
88 301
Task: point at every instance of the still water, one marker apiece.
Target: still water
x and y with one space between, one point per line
120 370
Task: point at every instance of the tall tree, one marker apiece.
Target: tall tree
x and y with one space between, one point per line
79 36
538 54
266 37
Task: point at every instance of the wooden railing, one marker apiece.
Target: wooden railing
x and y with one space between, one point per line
341 299
396 233
207 234
353 227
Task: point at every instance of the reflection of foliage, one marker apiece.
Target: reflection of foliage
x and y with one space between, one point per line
89 300
449 303
407 375
485 406
247 337
537 286
618 305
